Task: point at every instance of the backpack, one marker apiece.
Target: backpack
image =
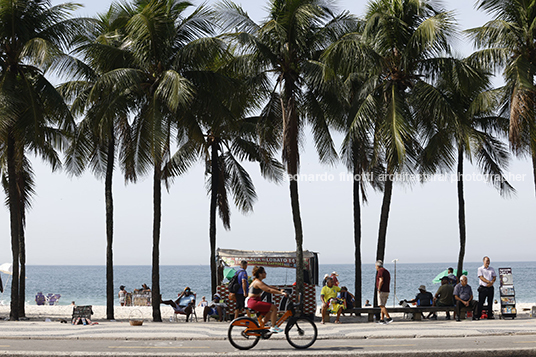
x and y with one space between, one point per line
234 285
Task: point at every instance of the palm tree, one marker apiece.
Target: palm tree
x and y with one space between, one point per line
34 116
509 42
465 127
224 147
340 95
25 186
358 155
170 58
288 45
397 49
105 125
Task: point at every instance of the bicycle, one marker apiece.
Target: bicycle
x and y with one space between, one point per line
301 332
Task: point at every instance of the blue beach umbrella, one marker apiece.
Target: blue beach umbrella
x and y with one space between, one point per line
445 272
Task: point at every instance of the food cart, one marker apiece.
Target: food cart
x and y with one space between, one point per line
271 259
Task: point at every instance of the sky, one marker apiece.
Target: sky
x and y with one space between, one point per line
66 224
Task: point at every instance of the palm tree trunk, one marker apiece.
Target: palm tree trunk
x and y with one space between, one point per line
461 213
213 205
296 217
22 258
14 211
534 167
110 229
157 215
384 219
291 157
357 237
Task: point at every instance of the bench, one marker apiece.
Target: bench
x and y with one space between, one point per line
417 311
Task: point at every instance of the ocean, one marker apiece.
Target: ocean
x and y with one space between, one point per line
86 285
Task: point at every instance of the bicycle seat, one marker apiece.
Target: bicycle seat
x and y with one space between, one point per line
251 311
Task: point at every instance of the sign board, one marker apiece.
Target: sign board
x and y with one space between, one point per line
508 299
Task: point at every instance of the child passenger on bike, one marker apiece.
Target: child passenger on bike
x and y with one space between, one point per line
254 298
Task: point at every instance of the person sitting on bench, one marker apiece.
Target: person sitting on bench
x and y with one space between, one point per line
444 296
463 295
330 302
423 298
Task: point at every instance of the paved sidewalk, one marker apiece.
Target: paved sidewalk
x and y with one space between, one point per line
351 328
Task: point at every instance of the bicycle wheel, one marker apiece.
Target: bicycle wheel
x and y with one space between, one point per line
238 336
301 333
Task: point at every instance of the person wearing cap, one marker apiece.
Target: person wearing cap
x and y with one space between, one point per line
122 295
334 276
423 298
326 276
444 296
216 308
383 280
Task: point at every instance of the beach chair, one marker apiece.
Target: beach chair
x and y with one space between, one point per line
216 317
184 302
48 297
82 315
40 298
54 299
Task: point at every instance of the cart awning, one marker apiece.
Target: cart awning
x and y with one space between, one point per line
266 258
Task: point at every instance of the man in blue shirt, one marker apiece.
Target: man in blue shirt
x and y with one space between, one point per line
243 289
463 295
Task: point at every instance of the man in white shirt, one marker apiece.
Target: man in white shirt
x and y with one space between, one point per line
487 277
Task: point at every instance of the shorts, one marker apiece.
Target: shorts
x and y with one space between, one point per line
382 298
240 301
213 311
260 306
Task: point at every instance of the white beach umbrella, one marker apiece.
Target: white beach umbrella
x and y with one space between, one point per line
7 268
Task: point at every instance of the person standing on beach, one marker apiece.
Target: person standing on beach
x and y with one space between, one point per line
453 280
203 302
334 276
487 277
383 280
122 295
243 289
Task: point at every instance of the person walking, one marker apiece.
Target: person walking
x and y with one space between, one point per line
243 289
487 277
383 280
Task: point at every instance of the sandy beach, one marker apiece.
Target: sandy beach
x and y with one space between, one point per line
39 313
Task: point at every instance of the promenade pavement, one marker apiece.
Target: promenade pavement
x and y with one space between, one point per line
352 328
